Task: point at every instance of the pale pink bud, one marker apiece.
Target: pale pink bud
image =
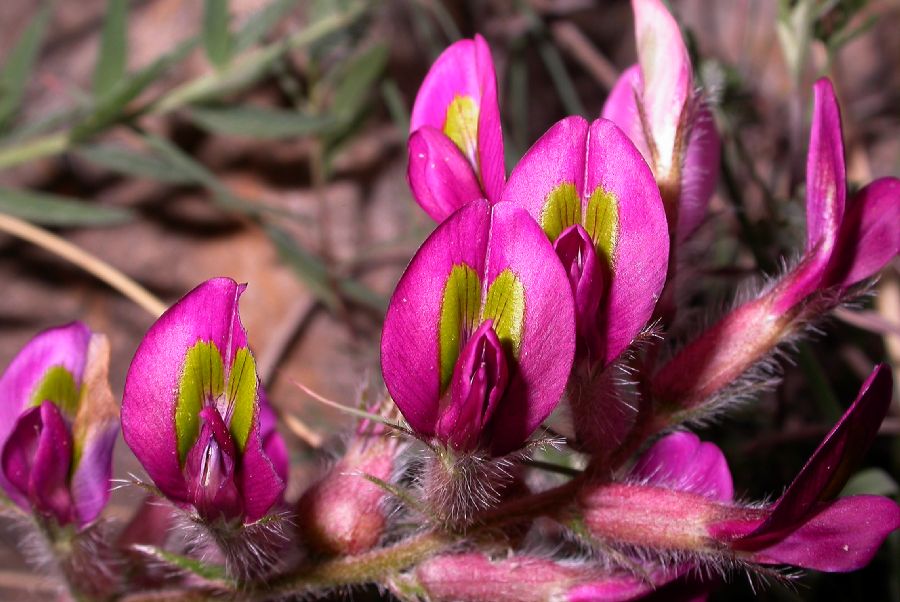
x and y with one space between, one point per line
344 513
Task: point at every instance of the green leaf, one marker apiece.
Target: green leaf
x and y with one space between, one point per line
184 166
254 122
216 37
260 23
20 64
130 163
308 267
322 284
393 98
356 79
54 210
110 106
872 481
113 54
207 572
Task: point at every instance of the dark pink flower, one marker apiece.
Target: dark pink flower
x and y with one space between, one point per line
595 198
58 425
680 500
655 104
456 142
479 335
804 528
844 246
194 414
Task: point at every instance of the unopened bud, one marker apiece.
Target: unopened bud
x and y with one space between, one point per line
344 513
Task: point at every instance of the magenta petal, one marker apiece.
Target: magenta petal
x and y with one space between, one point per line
36 459
466 69
699 172
843 536
641 253
273 444
681 461
870 234
576 251
826 472
558 157
210 470
826 191
621 108
440 178
491 162
207 313
410 353
260 477
826 178
479 382
666 73
90 484
547 347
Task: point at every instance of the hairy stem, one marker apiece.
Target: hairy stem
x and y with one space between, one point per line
378 565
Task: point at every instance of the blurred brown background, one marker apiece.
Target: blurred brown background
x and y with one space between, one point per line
359 221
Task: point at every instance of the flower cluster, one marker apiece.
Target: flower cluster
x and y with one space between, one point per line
509 331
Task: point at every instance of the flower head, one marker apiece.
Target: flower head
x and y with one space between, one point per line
681 500
595 198
479 335
845 242
844 246
58 424
193 413
456 142
655 104
804 527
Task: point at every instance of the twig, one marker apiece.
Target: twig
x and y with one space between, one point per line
89 263
299 428
271 356
572 40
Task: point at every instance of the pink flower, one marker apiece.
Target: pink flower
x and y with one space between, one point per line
58 425
479 335
845 245
655 104
194 412
456 142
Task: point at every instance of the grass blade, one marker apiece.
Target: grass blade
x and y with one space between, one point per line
20 64
131 163
54 210
261 23
322 284
113 103
216 37
113 53
357 77
254 122
206 571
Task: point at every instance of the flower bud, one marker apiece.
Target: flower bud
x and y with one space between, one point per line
476 578
195 415
58 424
345 513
